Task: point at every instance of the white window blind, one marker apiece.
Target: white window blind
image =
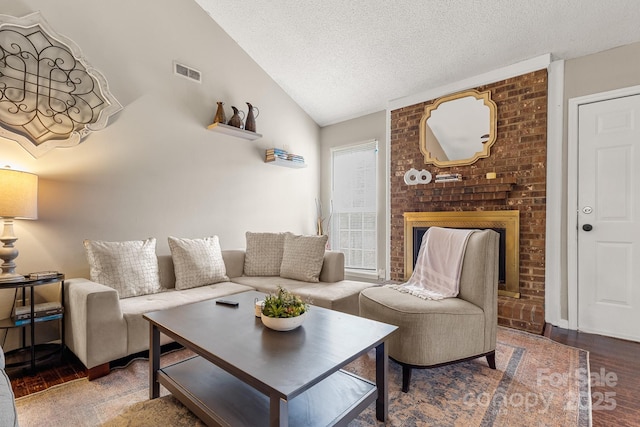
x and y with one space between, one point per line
354 203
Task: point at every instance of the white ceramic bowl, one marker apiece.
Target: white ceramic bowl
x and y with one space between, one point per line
283 323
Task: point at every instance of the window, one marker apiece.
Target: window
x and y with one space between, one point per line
354 204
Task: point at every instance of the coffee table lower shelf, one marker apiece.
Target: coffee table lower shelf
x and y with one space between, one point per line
218 397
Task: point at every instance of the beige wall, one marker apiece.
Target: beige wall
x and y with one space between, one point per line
611 69
156 170
365 128
600 72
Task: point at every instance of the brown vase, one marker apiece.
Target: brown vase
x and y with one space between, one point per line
250 123
220 117
236 120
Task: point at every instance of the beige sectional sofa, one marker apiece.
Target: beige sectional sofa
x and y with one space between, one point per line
102 327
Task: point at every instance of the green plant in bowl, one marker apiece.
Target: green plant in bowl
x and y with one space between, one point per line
283 304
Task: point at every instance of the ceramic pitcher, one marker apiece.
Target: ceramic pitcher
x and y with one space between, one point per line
250 123
236 120
220 117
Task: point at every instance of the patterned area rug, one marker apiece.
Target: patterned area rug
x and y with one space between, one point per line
537 382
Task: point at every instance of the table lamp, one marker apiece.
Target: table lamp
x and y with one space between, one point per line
18 199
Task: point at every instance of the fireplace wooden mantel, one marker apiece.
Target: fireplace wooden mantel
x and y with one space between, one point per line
507 220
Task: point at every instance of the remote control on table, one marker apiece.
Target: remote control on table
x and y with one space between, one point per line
227 302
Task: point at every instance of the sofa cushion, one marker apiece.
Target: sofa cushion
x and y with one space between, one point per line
129 267
302 257
197 262
263 255
340 296
134 308
269 285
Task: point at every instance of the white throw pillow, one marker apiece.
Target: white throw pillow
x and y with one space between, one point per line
302 257
197 262
130 267
263 254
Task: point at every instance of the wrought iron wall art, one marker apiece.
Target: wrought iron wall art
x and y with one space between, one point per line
49 94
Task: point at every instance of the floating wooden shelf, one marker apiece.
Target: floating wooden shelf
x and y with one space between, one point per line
287 163
234 131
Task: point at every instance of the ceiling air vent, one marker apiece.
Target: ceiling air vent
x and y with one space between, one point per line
187 72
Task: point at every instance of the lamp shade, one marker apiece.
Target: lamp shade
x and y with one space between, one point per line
18 194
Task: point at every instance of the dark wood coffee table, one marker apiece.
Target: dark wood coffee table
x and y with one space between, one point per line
248 375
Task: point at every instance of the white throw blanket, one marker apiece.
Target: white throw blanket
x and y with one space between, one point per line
437 272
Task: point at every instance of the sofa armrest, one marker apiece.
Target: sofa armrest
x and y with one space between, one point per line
332 267
96 330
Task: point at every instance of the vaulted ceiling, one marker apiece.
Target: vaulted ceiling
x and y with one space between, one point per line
340 59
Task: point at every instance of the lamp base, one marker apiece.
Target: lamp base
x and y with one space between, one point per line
8 253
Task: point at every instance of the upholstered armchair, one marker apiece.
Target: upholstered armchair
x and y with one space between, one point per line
8 416
435 333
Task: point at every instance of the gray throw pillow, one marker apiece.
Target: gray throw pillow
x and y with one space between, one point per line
263 254
303 257
197 262
130 267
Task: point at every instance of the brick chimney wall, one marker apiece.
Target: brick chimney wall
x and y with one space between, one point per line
518 158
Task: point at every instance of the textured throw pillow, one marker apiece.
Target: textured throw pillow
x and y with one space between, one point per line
131 268
197 262
302 257
263 255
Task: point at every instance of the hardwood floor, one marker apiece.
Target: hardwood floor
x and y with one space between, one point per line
614 366
59 369
53 371
615 375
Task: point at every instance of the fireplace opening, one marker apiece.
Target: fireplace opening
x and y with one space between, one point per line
505 223
418 233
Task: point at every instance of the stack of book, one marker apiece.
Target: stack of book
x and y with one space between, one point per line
295 158
43 275
448 177
272 153
41 312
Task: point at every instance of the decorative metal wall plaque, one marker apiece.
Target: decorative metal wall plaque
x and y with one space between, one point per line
50 96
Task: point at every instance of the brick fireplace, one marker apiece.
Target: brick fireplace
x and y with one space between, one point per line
518 158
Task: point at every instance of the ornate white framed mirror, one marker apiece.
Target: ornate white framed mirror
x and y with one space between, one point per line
458 129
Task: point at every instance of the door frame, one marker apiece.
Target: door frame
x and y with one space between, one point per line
572 191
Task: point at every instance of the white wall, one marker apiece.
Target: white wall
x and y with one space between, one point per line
365 128
156 170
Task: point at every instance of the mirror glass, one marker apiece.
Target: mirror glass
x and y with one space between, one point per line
458 129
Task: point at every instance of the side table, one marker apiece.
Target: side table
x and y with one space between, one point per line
10 323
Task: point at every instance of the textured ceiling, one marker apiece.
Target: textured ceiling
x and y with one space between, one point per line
340 59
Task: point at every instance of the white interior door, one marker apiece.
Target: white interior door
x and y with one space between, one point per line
609 217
